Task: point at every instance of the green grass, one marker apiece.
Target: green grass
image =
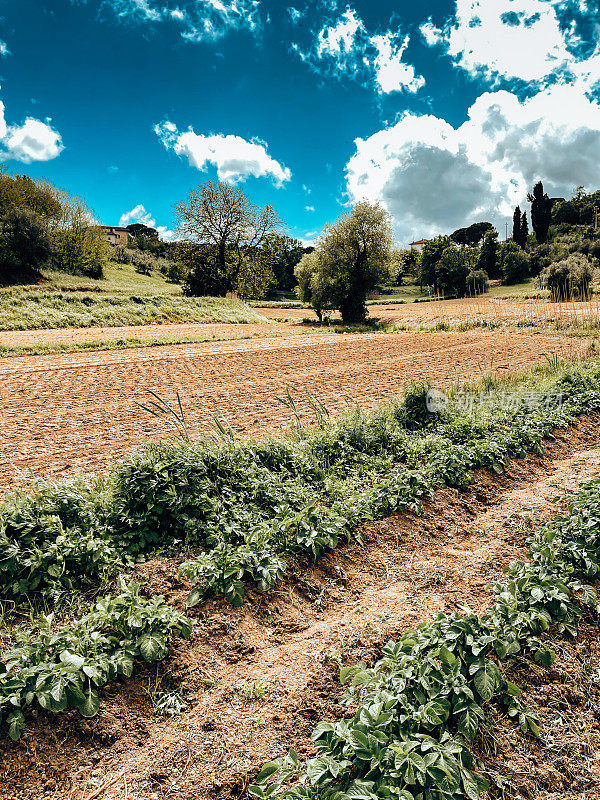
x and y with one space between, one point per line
122 297
117 278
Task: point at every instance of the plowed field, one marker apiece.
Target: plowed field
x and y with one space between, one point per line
63 413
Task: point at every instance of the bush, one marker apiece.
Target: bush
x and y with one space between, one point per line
568 279
477 282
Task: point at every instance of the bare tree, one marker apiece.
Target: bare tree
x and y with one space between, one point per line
221 216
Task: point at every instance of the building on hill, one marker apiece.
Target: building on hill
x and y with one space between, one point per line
418 246
115 235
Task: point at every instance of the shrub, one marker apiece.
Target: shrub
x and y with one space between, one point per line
477 282
569 278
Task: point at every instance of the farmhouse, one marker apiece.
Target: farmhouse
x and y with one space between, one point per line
115 235
418 246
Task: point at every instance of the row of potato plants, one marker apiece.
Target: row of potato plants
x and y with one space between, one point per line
59 668
247 507
418 709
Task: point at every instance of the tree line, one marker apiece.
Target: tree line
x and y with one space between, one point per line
42 226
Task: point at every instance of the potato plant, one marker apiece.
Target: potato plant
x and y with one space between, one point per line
419 707
65 668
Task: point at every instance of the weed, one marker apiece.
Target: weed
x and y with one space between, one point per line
253 690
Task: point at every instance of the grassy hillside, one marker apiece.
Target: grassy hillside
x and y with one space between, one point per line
122 297
117 278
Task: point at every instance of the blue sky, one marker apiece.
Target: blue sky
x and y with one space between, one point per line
445 112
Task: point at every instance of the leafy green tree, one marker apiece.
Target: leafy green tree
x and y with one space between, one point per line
514 263
472 235
138 229
25 245
78 245
352 257
429 260
516 231
524 229
541 212
20 191
444 267
452 271
488 255
203 275
311 287
287 253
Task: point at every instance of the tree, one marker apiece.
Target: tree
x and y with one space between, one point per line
568 278
25 244
143 231
429 261
514 263
471 236
524 229
452 271
221 216
488 255
20 191
516 232
541 212
520 227
351 258
202 269
287 253
78 245
311 287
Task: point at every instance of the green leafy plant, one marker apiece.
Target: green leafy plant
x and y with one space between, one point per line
65 668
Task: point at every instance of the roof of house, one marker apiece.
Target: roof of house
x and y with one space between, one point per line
420 241
114 228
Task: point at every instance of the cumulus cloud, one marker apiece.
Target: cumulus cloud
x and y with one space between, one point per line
139 214
234 157
343 47
198 20
433 177
34 140
529 40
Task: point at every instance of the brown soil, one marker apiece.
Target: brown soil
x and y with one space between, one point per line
171 330
291 640
467 310
77 411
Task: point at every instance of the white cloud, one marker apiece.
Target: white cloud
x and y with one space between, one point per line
310 208
139 214
338 41
199 20
34 140
434 178
391 72
529 40
4 51
234 157
344 47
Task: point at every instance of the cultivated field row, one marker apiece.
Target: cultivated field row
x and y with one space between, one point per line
65 413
